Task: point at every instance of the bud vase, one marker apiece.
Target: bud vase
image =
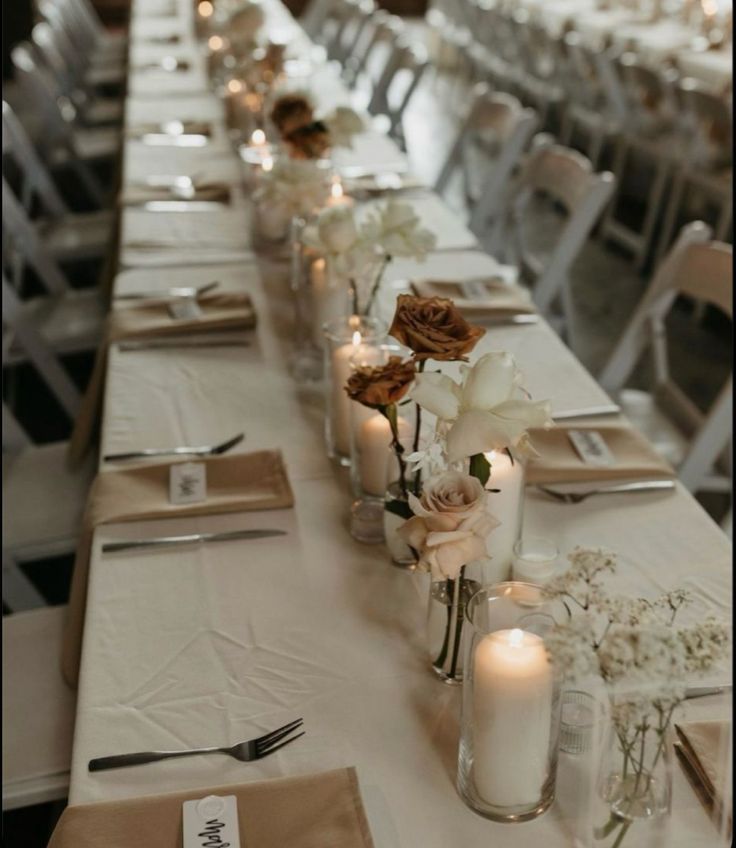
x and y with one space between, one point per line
448 600
395 512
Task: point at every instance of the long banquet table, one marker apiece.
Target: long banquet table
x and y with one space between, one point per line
215 644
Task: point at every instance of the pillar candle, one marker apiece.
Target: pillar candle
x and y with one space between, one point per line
337 194
506 506
341 370
329 300
535 568
512 715
378 465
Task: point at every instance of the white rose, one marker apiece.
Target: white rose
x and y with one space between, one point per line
343 124
336 229
450 524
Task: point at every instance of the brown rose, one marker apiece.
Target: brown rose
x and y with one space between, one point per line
310 141
291 111
381 385
433 328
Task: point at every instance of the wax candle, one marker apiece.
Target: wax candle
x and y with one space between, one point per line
340 406
378 465
512 715
329 299
506 506
337 194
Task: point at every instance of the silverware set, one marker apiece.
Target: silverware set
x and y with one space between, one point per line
203 450
621 488
246 752
190 539
171 293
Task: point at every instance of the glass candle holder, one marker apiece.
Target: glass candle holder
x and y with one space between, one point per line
507 759
506 504
343 339
535 560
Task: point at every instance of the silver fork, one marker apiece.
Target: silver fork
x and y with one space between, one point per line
254 749
175 292
577 497
204 450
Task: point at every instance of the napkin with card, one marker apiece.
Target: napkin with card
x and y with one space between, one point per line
497 295
322 810
212 191
234 483
210 313
703 750
172 128
580 454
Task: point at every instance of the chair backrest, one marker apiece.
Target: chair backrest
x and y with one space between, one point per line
35 180
357 15
18 330
711 123
497 130
43 39
697 268
26 241
63 41
648 94
398 82
315 14
379 51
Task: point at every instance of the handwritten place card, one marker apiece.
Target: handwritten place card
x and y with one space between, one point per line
591 448
185 309
187 483
211 822
474 289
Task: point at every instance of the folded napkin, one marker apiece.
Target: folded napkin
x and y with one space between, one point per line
497 295
316 811
165 128
224 311
703 748
237 483
559 462
140 194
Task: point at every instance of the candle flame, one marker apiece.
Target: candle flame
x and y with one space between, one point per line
516 637
205 9
215 42
710 7
490 455
336 191
267 163
356 338
234 86
258 137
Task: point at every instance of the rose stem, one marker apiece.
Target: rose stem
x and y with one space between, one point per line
354 297
398 449
376 284
458 621
443 650
417 428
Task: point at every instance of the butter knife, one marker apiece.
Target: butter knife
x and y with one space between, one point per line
182 140
163 541
179 205
703 691
587 412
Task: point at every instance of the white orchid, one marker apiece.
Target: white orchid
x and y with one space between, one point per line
487 411
298 186
395 231
342 124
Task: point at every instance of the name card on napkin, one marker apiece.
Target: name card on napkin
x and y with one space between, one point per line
187 483
211 822
185 309
591 448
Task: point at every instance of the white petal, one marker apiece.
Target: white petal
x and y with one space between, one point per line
437 393
490 381
476 431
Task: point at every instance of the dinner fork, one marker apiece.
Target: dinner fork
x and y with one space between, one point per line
204 450
577 497
254 749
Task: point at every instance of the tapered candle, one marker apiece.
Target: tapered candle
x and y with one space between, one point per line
512 714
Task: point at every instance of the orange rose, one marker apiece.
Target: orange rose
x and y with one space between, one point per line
291 111
310 141
433 328
381 385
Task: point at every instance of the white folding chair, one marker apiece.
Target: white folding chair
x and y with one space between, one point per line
67 236
397 83
695 443
356 15
551 210
38 709
68 320
366 71
102 45
314 16
495 134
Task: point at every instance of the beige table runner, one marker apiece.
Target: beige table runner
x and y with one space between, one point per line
235 483
316 811
226 311
559 462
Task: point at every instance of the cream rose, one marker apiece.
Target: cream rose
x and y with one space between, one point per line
336 229
450 524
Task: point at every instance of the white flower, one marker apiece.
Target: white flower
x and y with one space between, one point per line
450 524
296 185
395 229
489 410
430 460
342 124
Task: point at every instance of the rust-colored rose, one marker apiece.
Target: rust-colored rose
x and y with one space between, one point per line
310 141
381 385
291 111
433 328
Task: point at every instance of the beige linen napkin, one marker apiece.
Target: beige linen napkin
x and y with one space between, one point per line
322 810
188 128
236 483
134 195
559 462
702 747
226 311
502 298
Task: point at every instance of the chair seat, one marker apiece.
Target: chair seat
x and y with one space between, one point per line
68 323
96 143
106 72
103 111
641 409
38 709
78 236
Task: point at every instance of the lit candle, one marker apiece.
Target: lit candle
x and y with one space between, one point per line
258 139
329 299
205 10
506 507
341 370
337 194
377 460
512 715
232 96
535 561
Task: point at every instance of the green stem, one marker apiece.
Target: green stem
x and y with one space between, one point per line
456 607
354 296
622 833
417 428
376 284
391 414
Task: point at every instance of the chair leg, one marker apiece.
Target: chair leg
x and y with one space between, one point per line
18 592
670 217
654 203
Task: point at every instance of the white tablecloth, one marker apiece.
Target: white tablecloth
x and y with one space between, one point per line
212 645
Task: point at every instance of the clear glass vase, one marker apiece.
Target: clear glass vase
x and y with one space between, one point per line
507 760
634 789
306 360
505 503
395 512
448 600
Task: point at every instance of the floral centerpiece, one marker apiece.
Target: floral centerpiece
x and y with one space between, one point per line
634 646
292 188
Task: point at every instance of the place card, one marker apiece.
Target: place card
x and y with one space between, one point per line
185 309
187 483
591 448
474 289
211 822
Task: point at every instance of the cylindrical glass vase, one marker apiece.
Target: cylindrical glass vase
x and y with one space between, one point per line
507 758
505 500
448 601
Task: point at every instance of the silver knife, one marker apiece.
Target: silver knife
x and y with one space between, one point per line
162 541
182 140
703 691
190 341
520 319
179 205
587 412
